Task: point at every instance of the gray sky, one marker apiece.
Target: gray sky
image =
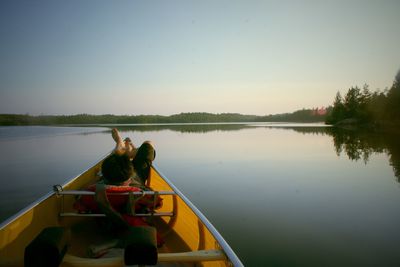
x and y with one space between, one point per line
166 57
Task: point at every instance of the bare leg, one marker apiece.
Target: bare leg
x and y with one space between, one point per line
123 146
119 145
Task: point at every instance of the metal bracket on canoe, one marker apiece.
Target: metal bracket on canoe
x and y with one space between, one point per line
57 189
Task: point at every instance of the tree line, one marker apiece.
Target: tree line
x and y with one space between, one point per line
304 115
363 106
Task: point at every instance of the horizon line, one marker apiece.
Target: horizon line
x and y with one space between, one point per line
183 112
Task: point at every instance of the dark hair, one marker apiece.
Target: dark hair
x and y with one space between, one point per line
117 168
143 161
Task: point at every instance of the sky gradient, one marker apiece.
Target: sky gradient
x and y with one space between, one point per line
167 57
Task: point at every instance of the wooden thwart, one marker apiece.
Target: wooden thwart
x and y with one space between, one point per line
192 256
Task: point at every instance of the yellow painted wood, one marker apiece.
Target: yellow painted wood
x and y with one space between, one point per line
187 225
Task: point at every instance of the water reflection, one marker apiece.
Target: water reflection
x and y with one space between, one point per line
282 185
359 144
183 128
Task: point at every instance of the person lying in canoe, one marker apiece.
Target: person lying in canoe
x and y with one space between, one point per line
116 168
126 169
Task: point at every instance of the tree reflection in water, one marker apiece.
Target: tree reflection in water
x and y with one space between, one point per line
361 144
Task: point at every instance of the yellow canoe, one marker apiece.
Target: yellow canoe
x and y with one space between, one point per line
190 239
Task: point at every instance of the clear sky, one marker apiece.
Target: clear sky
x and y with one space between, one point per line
167 57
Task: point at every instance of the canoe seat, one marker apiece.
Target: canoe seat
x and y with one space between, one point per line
48 248
138 245
141 246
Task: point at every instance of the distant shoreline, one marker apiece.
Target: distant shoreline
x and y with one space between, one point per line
304 115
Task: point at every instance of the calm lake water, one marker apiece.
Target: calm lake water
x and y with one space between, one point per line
280 194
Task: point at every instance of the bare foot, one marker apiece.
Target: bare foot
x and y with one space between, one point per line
130 149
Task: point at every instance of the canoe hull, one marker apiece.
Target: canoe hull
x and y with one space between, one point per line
186 231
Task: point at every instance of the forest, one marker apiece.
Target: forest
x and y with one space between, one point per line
366 107
304 115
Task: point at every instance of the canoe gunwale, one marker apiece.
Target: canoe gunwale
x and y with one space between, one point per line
233 258
14 217
46 196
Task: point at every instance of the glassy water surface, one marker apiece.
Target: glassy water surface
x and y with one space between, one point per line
280 194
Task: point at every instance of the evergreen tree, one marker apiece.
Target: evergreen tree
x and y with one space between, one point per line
377 105
393 100
364 114
352 102
338 112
